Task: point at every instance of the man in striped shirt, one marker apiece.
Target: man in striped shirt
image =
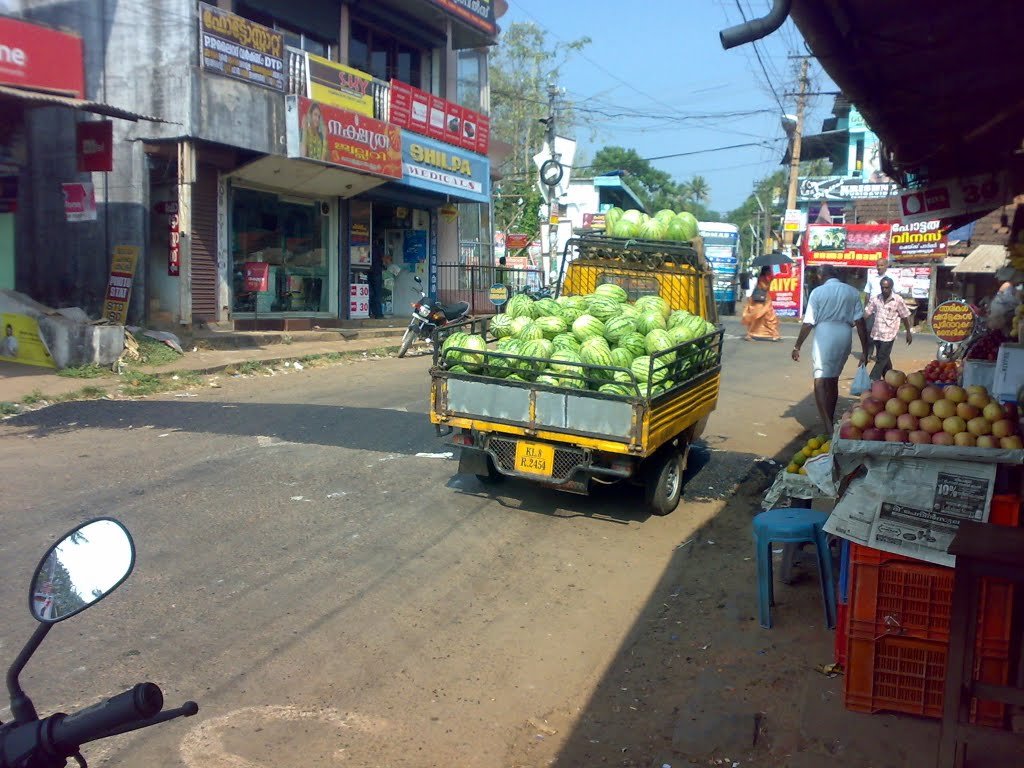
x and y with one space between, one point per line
888 311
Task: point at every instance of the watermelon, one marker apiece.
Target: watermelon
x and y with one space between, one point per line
572 382
595 351
576 302
545 308
659 341
500 326
611 217
649 321
625 228
653 303
506 342
616 389
587 326
641 369
678 317
520 305
539 348
454 340
499 367
628 310
515 377
622 358
566 341
458 369
530 332
551 326
601 307
634 216
570 314
680 335
473 358
551 381
635 343
677 231
652 229
560 359
518 323
665 215
618 327
612 291
689 225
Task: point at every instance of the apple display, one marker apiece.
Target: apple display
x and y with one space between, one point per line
862 418
987 441
908 393
896 436
931 394
873 405
979 425
1003 428
895 378
944 408
920 437
882 390
850 432
993 411
1011 443
976 389
917 379
965 439
871 433
931 424
885 420
920 408
953 425
942 438
896 407
966 411
956 394
907 421
978 399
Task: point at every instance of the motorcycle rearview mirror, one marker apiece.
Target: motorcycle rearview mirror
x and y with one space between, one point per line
81 569
417 279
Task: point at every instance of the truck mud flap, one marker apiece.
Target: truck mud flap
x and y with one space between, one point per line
473 461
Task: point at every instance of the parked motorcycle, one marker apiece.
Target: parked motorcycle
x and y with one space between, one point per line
428 316
75 573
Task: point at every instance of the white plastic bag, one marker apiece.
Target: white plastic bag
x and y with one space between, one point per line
861 382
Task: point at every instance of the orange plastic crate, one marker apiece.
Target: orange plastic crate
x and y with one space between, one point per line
915 599
903 674
842 631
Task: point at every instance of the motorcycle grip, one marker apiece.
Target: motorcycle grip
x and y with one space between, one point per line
139 703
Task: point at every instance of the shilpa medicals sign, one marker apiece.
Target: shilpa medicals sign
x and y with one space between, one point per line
439 167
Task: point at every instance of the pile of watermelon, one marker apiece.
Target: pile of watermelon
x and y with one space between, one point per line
664 225
601 342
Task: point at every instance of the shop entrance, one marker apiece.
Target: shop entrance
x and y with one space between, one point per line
388 249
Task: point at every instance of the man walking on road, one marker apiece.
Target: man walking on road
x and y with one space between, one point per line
888 311
832 309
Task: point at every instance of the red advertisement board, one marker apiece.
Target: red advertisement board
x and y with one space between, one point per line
257 276
430 115
348 139
94 145
40 58
918 241
787 289
852 245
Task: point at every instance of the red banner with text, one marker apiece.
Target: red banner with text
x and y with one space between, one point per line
787 289
850 245
430 115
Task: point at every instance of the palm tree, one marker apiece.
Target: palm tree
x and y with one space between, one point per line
697 189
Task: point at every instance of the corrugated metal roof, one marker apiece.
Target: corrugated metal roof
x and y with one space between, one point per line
44 99
983 260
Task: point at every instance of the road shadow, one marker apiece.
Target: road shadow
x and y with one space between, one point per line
372 429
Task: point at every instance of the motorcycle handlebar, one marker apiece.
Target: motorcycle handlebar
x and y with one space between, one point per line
139 703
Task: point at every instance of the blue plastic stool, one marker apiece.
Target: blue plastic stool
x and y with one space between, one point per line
792 526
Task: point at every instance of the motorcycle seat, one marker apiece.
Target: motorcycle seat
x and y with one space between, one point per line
452 311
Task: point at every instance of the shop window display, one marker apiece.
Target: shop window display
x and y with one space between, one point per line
291 237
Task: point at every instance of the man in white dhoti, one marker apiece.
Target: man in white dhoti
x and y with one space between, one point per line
833 308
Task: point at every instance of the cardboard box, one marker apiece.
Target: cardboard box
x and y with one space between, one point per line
979 372
1009 372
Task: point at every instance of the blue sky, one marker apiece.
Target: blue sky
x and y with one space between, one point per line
646 59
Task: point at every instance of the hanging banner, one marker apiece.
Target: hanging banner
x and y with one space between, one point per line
330 135
955 197
94 146
173 246
256 276
21 342
235 47
119 286
79 201
40 58
918 241
344 87
852 245
430 115
787 289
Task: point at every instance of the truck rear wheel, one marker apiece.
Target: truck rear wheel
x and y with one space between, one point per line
664 483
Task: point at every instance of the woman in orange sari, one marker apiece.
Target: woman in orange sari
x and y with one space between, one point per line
758 314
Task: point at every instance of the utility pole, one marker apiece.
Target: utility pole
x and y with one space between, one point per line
551 188
794 154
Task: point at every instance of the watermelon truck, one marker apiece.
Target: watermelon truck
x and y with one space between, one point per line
611 381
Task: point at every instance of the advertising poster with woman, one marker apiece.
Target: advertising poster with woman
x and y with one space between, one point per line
20 342
786 289
313 133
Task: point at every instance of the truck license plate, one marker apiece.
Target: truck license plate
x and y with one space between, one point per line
535 458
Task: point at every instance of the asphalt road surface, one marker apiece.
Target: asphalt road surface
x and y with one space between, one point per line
314 573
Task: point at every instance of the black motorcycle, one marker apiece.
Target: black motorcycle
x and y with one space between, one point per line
77 572
428 316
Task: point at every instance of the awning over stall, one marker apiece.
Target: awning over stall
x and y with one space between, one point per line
39 99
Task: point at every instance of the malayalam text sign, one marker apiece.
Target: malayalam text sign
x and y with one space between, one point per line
787 290
235 47
330 135
918 240
953 321
852 245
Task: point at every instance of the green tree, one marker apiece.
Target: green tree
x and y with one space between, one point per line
655 188
522 67
696 190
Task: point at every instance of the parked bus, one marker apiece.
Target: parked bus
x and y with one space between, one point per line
722 249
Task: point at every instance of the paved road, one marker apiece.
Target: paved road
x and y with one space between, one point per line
326 593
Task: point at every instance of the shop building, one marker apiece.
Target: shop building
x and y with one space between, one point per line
312 160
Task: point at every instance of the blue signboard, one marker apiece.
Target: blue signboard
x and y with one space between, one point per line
432 260
439 167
